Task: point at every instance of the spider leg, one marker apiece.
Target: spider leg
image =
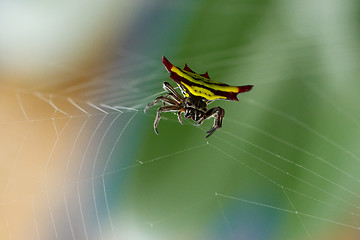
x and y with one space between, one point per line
164 99
218 114
170 89
200 121
172 96
170 108
179 116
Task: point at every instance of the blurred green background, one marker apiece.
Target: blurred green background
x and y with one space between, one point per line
290 145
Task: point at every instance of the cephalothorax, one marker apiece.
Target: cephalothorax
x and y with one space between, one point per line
198 91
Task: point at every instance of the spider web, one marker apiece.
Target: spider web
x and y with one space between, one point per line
83 162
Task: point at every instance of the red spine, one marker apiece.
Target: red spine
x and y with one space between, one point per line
167 64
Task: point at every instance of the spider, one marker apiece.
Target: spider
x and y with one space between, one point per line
198 91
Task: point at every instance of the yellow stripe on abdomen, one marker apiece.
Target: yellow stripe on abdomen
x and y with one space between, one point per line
208 85
202 92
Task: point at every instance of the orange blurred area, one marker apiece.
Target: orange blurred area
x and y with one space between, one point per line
44 48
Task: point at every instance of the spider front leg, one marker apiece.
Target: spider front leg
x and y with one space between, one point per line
218 114
171 108
179 116
164 99
172 92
